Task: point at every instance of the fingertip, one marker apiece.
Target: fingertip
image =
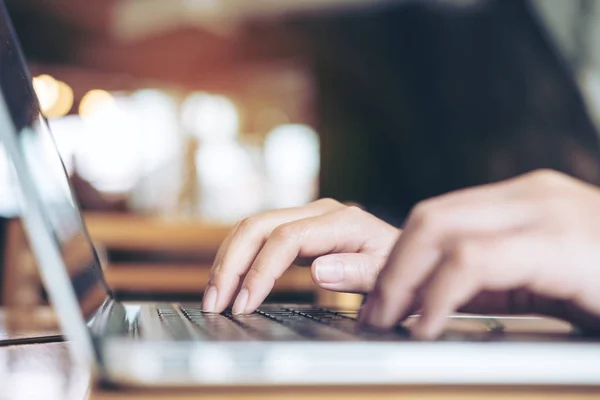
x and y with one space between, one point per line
364 313
428 328
257 287
239 306
227 286
372 315
209 300
376 312
421 332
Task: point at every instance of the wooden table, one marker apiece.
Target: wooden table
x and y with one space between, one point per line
45 371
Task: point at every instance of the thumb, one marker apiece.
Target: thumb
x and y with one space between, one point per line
347 272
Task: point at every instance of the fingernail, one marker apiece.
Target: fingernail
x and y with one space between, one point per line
209 301
240 302
329 273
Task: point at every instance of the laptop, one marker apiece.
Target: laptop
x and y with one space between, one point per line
151 344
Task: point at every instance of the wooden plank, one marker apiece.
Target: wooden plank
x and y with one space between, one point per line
134 232
375 392
169 278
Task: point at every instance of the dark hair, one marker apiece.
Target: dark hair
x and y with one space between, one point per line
420 99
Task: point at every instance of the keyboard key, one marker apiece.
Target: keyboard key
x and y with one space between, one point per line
265 328
304 326
275 323
173 323
216 326
351 325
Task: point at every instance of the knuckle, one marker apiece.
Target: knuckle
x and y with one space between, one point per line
353 211
547 177
217 264
252 275
464 255
285 233
220 277
249 225
351 203
328 202
258 273
214 270
423 216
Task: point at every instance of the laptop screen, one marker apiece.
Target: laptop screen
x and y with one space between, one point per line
46 172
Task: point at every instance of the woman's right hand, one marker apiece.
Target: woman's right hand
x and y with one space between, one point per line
349 247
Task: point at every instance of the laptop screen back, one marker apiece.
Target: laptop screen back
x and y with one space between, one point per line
43 169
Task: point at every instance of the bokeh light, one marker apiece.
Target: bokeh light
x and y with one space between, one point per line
47 91
210 117
63 104
108 154
292 153
292 164
94 99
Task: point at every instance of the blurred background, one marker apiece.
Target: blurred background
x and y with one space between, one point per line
221 108
207 111
178 107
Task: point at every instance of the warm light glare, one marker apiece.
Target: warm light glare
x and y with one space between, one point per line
94 99
63 103
47 91
55 97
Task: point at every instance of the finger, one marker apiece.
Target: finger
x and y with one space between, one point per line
493 264
452 285
340 231
421 246
240 248
253 230
347 272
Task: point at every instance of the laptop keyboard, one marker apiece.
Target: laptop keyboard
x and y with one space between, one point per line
270 323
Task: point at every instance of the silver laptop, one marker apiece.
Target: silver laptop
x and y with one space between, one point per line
176 344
